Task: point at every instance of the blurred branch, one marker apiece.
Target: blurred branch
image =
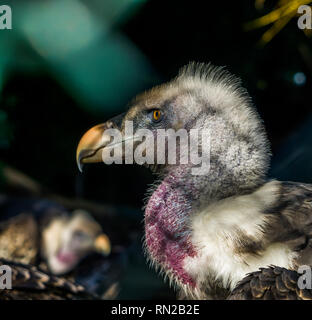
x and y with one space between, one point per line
284 12
17 180
275 29
290 7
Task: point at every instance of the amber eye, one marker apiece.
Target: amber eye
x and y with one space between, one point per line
156 115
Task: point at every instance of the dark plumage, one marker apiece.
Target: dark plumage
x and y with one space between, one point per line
19 239
207 232
39 232
273 283
33 231
29 283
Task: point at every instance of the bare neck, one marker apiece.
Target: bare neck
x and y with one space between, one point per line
167 232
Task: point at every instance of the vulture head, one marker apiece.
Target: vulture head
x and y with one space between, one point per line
67 239
211 100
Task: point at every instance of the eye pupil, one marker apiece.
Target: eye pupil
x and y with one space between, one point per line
156 115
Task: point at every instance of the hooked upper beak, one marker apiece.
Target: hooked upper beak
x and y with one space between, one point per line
93 142
102 244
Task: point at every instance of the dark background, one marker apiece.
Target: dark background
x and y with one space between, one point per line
68 65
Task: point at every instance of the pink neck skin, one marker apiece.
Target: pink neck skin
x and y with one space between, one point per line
166 232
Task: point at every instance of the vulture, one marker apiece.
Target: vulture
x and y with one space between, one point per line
228 233
40 232
54 253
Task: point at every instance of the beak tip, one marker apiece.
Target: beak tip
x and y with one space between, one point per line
80 166
79 162
103 244
90 146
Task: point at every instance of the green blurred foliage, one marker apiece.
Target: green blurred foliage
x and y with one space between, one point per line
76 43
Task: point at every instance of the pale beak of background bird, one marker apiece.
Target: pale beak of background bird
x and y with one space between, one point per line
92 143
102 244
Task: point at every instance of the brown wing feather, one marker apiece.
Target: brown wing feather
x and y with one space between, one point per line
29 283
291 222
273 283
19 239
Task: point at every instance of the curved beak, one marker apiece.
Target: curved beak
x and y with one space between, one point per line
93 142
102 244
